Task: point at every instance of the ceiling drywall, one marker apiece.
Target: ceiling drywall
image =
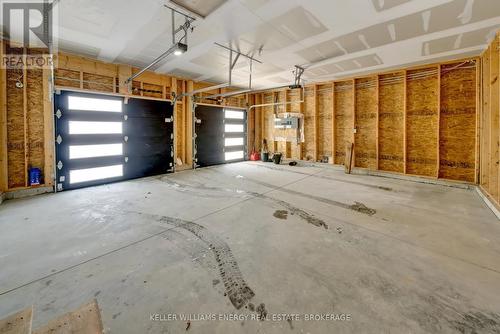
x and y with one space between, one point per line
331 38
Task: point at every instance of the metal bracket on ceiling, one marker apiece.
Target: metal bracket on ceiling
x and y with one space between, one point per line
298 76
177 44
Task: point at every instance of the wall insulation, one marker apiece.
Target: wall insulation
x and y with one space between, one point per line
417 121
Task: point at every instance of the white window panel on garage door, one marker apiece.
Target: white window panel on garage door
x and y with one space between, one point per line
233 142
234 114
94 104
233 128
93 151
96 173
85 128
234 155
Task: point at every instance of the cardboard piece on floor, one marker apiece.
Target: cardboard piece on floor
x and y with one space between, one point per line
85 320
348 158
17 323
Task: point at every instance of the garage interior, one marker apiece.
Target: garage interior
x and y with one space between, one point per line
251 166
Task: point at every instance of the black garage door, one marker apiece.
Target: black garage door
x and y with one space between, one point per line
102 139
220 135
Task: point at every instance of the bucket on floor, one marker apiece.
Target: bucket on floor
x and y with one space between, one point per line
277 158
254 156
35 175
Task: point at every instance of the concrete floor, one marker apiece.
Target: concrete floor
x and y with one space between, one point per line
248 239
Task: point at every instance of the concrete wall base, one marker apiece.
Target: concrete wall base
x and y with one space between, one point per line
27 192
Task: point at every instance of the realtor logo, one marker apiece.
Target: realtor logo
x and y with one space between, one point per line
29 25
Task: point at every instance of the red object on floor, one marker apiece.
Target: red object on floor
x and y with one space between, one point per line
254 156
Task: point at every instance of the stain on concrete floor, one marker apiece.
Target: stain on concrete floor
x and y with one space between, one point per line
309 218
281 214
358 207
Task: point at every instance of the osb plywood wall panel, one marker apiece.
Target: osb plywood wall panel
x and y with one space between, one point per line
422 122
35 119
26 114
325 109
16 165
457 138
309 147
343 118
268 126
400 118
391 122
365 141
98 83
67 78
152 90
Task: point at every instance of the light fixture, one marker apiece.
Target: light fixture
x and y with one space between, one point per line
180 49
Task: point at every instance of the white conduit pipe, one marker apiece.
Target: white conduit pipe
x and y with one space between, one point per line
284 103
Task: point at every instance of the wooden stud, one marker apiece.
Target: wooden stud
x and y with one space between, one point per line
333 123
25 117
494 129
189 124
479 86
404 121
263 119
438 154
316 124
3 124
378 123
353 127
81 79
184 122
48 129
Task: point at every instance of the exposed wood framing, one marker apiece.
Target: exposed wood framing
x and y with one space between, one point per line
353 126
316 125
377 129
438 129
3 125
333 123
405 139
25 119
48 129
28 140
419 107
